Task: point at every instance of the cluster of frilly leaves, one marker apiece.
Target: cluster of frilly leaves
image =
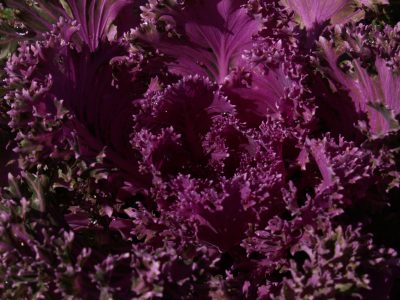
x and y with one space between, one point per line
199 149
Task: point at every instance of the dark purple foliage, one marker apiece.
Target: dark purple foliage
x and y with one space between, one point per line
205 149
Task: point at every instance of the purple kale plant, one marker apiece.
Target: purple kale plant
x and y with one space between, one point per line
199 149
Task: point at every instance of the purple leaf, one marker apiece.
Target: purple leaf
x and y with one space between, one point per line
202 37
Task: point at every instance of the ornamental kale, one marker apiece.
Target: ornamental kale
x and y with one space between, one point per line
199 149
